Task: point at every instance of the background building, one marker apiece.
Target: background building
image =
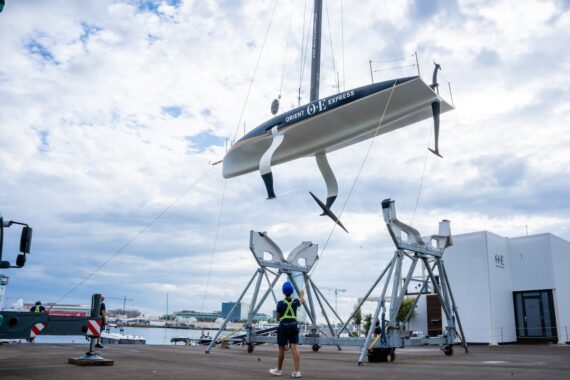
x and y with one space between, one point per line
200 316
240 312
506 289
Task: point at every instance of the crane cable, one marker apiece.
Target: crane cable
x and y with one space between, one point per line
286 50
310 273
235 135
342 39
422 179
331 43
304 49
255 70
401 58
137 235
213 253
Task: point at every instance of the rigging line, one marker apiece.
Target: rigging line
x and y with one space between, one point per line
355 179
286 49
442 78
448 90
422 179
439 76
395 34
304 54
214 246
402 58
302 45
330 39
342 38
395 67
359 75
142 231
255 69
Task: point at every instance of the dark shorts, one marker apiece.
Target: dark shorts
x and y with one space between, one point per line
287 332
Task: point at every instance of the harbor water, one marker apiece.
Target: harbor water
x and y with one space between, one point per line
153 335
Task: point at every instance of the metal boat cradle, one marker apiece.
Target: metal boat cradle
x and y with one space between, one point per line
409 244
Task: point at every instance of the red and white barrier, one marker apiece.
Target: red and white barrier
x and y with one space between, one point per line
93 328
36 329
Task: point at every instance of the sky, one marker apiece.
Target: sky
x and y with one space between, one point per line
112 111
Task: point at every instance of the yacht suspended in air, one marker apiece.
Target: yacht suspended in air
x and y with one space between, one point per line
334 122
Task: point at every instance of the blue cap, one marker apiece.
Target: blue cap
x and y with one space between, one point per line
288 288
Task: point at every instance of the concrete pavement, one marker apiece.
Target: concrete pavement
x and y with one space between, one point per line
49 361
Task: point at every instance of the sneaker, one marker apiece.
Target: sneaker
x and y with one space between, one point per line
99 345
296 374
276 372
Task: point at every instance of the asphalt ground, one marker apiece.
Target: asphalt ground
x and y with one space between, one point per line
50 361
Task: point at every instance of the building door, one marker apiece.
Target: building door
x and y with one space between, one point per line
433 315
534 315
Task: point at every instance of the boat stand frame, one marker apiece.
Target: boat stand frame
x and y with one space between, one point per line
408 243
413 246
298 263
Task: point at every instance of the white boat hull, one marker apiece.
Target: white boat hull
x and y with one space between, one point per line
340 127
114 338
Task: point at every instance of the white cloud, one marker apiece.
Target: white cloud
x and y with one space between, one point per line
90 157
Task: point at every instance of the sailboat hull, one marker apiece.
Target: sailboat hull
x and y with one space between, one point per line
335 122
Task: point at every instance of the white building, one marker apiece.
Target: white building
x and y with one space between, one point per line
506 289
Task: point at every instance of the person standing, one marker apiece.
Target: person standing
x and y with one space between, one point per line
38 308
103 314
288 330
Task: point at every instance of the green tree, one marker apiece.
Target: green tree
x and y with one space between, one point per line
357 319
405 308
367 322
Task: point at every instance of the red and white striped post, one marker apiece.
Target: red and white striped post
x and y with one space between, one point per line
93 331
93 328
36 329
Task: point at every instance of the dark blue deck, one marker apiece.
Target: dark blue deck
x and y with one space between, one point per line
322 105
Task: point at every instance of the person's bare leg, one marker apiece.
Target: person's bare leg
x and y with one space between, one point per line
280 358
296 357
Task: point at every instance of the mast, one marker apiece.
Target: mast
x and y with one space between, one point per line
316 56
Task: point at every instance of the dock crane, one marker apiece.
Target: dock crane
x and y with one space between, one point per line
336 291
124 299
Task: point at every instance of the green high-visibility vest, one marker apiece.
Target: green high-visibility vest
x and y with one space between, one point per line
289 312
38 309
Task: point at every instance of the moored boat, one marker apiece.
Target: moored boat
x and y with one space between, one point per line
119 338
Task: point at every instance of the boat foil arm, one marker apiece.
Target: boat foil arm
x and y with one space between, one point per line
436 110
328 176
265 162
